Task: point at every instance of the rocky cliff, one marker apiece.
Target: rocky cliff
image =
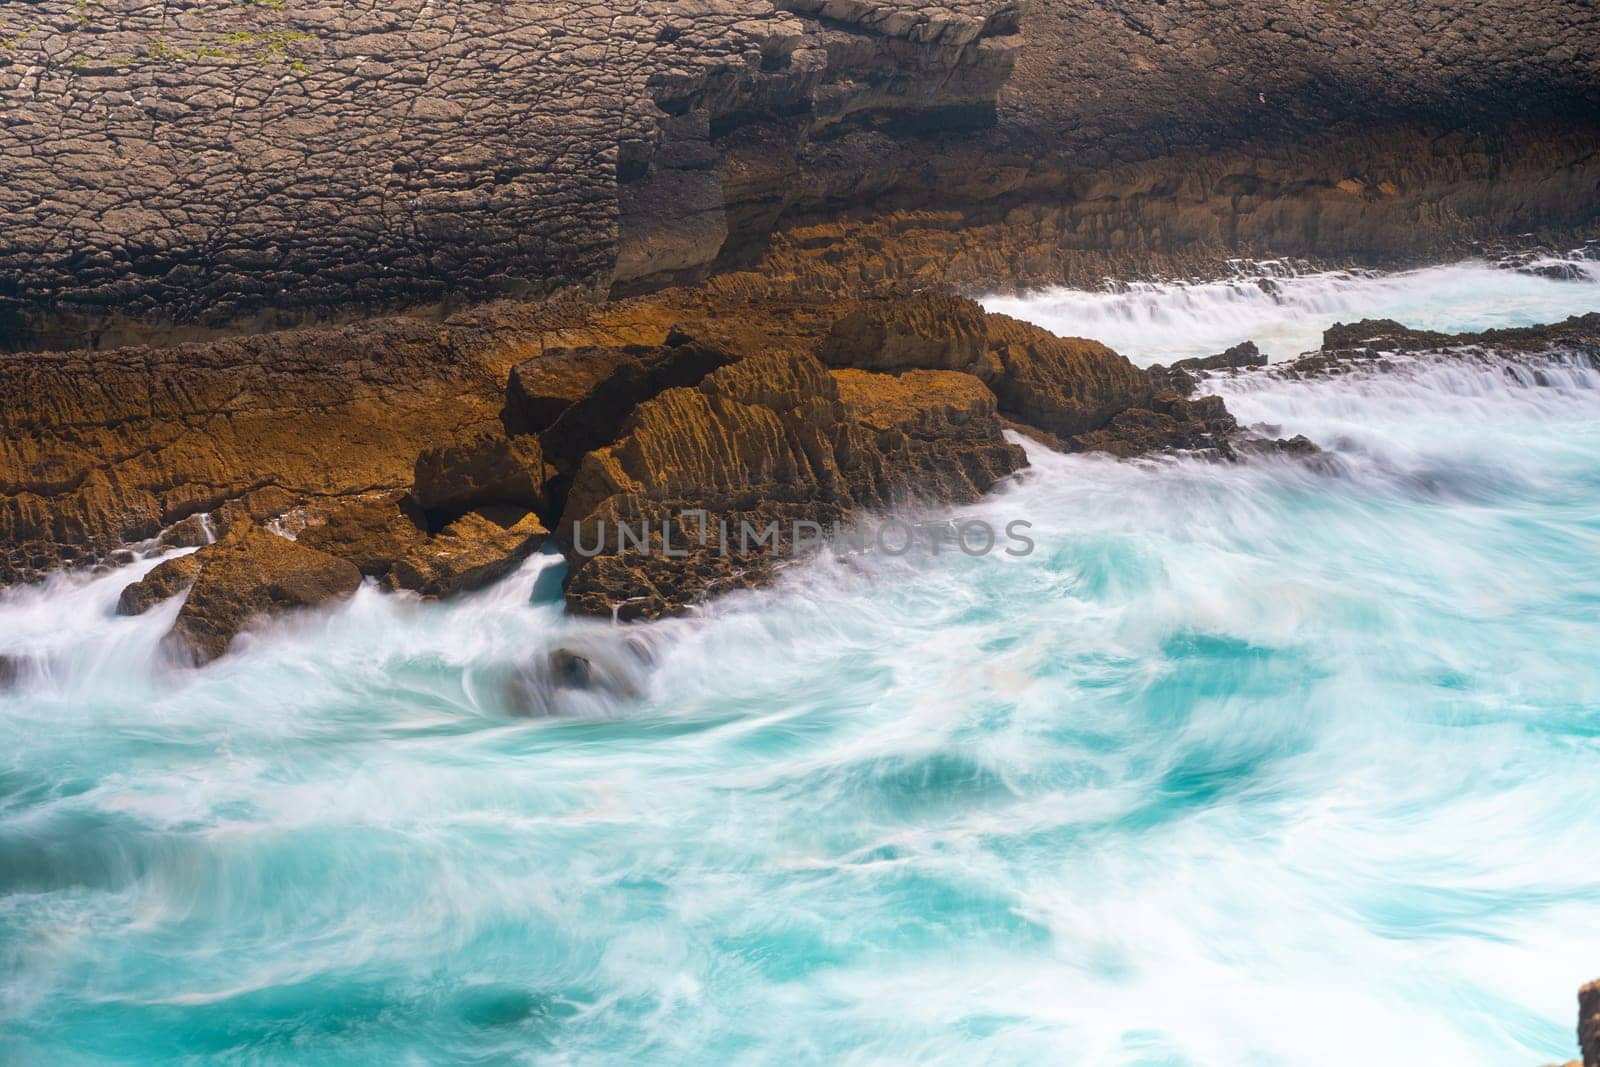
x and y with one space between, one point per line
169 167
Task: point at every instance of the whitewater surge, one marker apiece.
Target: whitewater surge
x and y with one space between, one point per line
1263 763
1284 310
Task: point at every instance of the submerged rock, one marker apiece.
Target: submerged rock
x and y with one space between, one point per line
607 671
249 574
165 581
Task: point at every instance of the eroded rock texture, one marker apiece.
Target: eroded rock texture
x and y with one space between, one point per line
248 575
717 484
172 165
180 163
98 449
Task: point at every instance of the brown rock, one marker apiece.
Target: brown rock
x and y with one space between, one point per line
1170 422
166 580
605 385
478 468
935 437
758 447
540 389
476 549
933 331
248 574
1064 386
372 532
1589 1023
191 532
100 449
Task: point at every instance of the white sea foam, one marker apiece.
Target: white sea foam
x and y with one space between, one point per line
1285 312
1246 764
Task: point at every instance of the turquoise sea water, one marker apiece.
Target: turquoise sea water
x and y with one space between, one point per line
1244 765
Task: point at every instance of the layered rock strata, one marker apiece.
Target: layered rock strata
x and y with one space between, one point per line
248 575
180 166
435 458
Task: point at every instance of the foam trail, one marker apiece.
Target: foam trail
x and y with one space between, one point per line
1245 764
1285 312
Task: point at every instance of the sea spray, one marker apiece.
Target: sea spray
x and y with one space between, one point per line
1285 311
1245 763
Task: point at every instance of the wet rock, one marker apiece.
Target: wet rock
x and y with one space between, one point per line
475 550
932 434
191 532
1589 1023
1183 376
1370 341
386 537
1243 354
483 467
772 444
1170 423
10 672
242 427
251 574
595 675
165 581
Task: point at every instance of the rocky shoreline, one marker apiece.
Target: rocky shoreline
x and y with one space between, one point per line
821 414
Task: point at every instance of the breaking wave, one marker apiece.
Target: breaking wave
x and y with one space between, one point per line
1263 763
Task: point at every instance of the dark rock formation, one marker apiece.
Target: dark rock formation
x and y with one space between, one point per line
1168 422
1372 337
175 167
169 578
1185 374
1370 342
610 671
588 392
1589 1024
702 475
249 574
